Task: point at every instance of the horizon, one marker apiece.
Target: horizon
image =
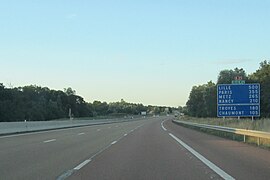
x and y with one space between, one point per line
91 101
150 52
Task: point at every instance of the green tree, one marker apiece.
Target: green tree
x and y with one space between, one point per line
227 76
41 103
100 108
69 91
36 104
202 100
262 76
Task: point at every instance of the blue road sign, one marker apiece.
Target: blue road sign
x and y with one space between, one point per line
238 100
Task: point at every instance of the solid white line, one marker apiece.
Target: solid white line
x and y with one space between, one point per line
81 133
114 142
208 163
163 126
82 164
51 140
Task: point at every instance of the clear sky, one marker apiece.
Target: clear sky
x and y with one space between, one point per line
144 51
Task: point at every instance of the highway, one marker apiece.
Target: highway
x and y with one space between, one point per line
151 148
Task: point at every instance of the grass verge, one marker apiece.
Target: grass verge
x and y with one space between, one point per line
234 123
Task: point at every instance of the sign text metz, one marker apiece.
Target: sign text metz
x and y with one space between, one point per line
238 100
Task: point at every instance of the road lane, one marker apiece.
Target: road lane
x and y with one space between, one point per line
208 163
144 149
154 152
242 161
49 154
148 153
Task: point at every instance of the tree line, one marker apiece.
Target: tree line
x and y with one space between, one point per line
34 103
203 98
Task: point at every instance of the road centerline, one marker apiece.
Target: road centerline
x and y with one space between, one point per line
70 172
113 142
82 164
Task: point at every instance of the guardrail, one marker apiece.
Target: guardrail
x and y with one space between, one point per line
244 132
7 128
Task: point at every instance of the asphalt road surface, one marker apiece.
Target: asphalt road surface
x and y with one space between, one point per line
153 148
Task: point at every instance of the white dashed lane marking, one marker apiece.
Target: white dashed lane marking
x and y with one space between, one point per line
50 140
114 142
82 164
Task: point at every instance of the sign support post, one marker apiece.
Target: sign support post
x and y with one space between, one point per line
69 114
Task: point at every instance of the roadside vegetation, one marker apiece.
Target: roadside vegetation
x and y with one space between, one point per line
202 105
34 103
203 98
